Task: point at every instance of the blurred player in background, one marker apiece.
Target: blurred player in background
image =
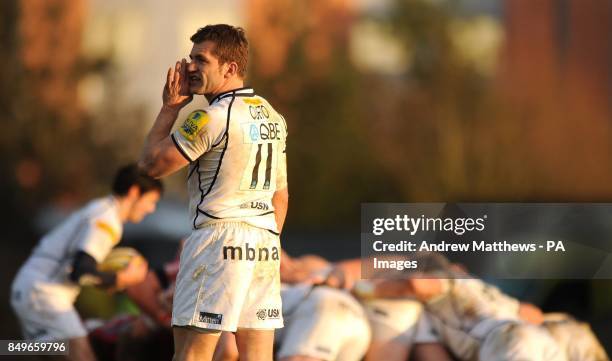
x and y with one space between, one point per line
397 324
235 148
473 319
47 285
575 338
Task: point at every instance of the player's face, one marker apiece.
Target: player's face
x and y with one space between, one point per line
206 75
143 206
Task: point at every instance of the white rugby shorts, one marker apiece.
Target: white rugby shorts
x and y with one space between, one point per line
326 324
394 319
40 317
229 278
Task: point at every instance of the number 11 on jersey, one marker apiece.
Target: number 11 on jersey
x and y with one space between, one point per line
260 167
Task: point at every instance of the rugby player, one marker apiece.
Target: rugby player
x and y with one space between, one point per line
235 147
46 286
473 319
321 323
575 338
397 326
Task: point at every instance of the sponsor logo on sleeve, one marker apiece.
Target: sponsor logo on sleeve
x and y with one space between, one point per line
193 124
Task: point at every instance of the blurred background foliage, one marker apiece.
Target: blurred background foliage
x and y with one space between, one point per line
405 101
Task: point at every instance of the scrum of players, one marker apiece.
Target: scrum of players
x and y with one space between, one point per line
329 312
332 314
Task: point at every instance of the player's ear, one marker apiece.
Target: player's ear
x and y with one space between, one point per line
232 69
133 192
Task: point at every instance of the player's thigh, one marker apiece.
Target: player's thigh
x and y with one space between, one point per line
226 349
192 344
254 344
387 351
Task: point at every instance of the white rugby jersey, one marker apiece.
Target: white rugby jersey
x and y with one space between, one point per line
467 313
94 229
236 150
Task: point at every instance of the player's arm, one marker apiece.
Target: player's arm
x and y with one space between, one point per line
344 274
280 198
147 296
280 202
85 272
96 242
423 289
160 156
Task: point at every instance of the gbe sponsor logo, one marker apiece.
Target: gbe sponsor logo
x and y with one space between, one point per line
264 131
269 131
268 313
248 253
212 318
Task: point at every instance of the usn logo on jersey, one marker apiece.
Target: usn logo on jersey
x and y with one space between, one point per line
193 124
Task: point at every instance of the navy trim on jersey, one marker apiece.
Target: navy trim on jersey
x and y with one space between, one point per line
233 92
264 214
180 149
226 135
208 215
219 142
274 233
195 217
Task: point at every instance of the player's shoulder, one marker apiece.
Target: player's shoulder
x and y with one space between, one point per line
217 110
103 213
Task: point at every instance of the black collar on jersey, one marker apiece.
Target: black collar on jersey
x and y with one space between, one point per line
243 92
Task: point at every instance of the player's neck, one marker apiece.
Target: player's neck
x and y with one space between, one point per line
232 84
124 205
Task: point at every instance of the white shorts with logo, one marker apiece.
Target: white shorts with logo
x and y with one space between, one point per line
394 320
229 278
40 316
326 324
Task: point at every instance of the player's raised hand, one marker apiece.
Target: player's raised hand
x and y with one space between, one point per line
176 91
